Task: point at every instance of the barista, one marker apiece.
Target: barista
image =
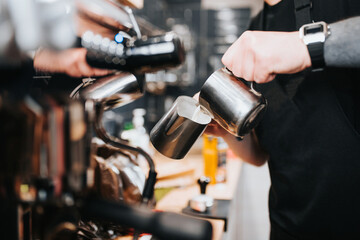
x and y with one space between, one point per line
310 133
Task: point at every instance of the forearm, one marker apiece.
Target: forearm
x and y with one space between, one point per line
248 149
342 48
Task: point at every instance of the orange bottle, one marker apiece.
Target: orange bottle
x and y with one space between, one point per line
210 156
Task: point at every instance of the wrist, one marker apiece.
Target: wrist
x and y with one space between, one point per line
303 51
46 61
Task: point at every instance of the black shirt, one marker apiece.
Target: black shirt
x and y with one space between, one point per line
311 131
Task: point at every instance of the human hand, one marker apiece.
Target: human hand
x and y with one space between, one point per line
71 62
258 56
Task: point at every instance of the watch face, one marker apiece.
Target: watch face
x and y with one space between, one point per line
314 32
314 29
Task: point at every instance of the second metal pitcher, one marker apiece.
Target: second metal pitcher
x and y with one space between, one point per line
179 128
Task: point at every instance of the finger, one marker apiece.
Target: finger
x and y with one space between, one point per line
243 55
227 59
261 75
229 55
270 77
215 129
239 60
102 72
196 96
73 72
85 70
210 130
248 66
232 60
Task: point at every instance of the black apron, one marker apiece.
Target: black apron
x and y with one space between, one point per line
311 131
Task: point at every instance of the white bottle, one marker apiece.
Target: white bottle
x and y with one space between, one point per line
138 137
142 138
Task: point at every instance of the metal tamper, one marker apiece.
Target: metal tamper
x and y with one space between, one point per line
202 202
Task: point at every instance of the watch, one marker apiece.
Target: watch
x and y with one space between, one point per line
314 36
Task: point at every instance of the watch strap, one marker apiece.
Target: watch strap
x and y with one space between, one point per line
302 12
316 51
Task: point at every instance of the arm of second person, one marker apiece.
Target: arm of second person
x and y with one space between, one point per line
71 62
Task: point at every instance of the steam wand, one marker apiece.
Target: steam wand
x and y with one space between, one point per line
118 143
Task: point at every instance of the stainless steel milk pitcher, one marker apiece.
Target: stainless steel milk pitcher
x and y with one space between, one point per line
235 106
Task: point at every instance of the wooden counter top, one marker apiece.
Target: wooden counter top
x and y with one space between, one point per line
178 198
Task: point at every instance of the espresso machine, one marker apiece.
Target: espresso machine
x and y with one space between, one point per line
49 176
